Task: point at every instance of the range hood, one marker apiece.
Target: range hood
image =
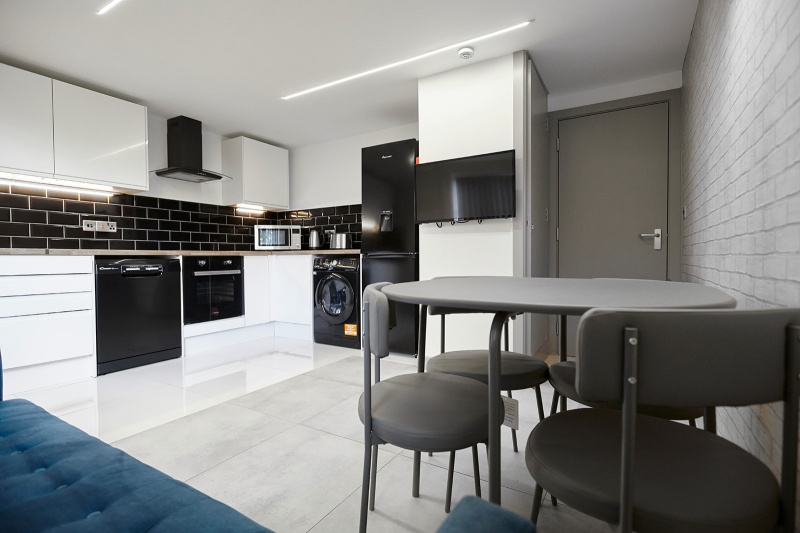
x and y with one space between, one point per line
185 152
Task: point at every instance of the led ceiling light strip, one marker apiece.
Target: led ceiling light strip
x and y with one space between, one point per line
403 62
108 6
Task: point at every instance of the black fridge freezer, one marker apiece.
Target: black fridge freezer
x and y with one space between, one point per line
390 236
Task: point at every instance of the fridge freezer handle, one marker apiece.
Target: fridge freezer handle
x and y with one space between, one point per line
390 255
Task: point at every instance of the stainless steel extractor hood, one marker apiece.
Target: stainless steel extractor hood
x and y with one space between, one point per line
185 152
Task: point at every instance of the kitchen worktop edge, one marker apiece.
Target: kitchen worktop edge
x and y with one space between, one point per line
39 251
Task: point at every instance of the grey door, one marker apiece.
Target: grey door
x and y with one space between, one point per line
612 188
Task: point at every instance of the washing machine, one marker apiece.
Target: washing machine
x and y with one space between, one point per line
337 300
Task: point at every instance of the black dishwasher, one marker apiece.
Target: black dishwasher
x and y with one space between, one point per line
138 311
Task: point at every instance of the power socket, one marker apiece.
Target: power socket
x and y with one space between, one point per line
99 225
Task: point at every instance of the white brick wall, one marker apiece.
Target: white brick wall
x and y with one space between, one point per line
741 172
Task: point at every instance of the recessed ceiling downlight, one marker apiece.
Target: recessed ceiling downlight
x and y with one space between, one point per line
409 60
108 6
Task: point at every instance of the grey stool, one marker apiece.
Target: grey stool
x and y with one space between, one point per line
650 474
518 371
421 411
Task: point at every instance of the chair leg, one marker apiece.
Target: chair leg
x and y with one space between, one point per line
476 470
539 404
554 405
537 503
415 480
513 432
450 469
365 487
374 478
692 423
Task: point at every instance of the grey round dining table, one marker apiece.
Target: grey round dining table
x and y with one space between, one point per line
505 295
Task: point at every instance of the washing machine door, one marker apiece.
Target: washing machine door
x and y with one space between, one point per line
335 299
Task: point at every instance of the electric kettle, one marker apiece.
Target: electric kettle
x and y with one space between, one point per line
314 239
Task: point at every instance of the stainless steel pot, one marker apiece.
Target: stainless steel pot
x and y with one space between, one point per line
340 241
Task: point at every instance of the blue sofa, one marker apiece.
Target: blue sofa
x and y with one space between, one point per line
54 477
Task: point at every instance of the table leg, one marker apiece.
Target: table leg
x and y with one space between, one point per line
495 406
562 350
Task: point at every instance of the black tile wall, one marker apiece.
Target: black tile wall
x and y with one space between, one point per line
341 219
32 218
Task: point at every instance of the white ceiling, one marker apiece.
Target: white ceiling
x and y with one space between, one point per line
228 62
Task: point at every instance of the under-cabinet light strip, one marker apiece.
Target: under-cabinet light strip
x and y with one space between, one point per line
403 62
47 187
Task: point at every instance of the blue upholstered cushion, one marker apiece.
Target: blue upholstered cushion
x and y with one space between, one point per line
474 515
55 477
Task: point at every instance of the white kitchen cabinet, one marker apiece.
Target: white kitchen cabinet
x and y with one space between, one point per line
26 122
260 173
98 138
256 290
46 309
290 288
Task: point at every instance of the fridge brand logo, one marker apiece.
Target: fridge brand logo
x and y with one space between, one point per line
385 156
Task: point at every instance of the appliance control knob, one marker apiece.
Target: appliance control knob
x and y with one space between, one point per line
334 263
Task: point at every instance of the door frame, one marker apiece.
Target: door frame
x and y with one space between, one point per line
674 209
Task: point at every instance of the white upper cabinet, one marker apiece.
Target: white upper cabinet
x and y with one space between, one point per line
99 138
260 173
26 122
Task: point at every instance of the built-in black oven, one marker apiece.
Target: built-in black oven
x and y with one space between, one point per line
213 288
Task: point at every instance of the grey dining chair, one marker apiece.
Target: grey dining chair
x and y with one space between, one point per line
650 474
562 378
423 412
518 371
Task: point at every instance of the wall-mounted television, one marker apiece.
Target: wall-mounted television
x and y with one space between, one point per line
468 188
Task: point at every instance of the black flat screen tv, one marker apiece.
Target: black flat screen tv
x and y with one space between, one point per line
468 188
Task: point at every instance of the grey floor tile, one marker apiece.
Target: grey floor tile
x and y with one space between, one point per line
342 420
397 511
351 370
290 482
190 445
298 398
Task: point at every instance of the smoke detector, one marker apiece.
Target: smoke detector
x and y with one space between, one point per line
466 53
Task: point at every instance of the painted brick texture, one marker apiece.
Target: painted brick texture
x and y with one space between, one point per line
741 172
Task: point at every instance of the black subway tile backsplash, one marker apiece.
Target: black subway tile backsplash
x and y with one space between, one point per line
107 209
92 244
64 219
12 229
29 215
145 201
34 218
78 207
47 204
28 242
14 200
43 230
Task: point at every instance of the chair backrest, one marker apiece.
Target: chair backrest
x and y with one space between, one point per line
378 319
688 357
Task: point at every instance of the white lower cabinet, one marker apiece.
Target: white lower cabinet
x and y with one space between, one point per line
256 290
46 310
290 288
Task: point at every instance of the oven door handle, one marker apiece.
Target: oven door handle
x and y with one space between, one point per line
217 272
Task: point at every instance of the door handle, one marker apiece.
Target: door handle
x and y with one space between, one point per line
656 236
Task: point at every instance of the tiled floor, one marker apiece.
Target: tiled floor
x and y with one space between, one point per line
277 437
